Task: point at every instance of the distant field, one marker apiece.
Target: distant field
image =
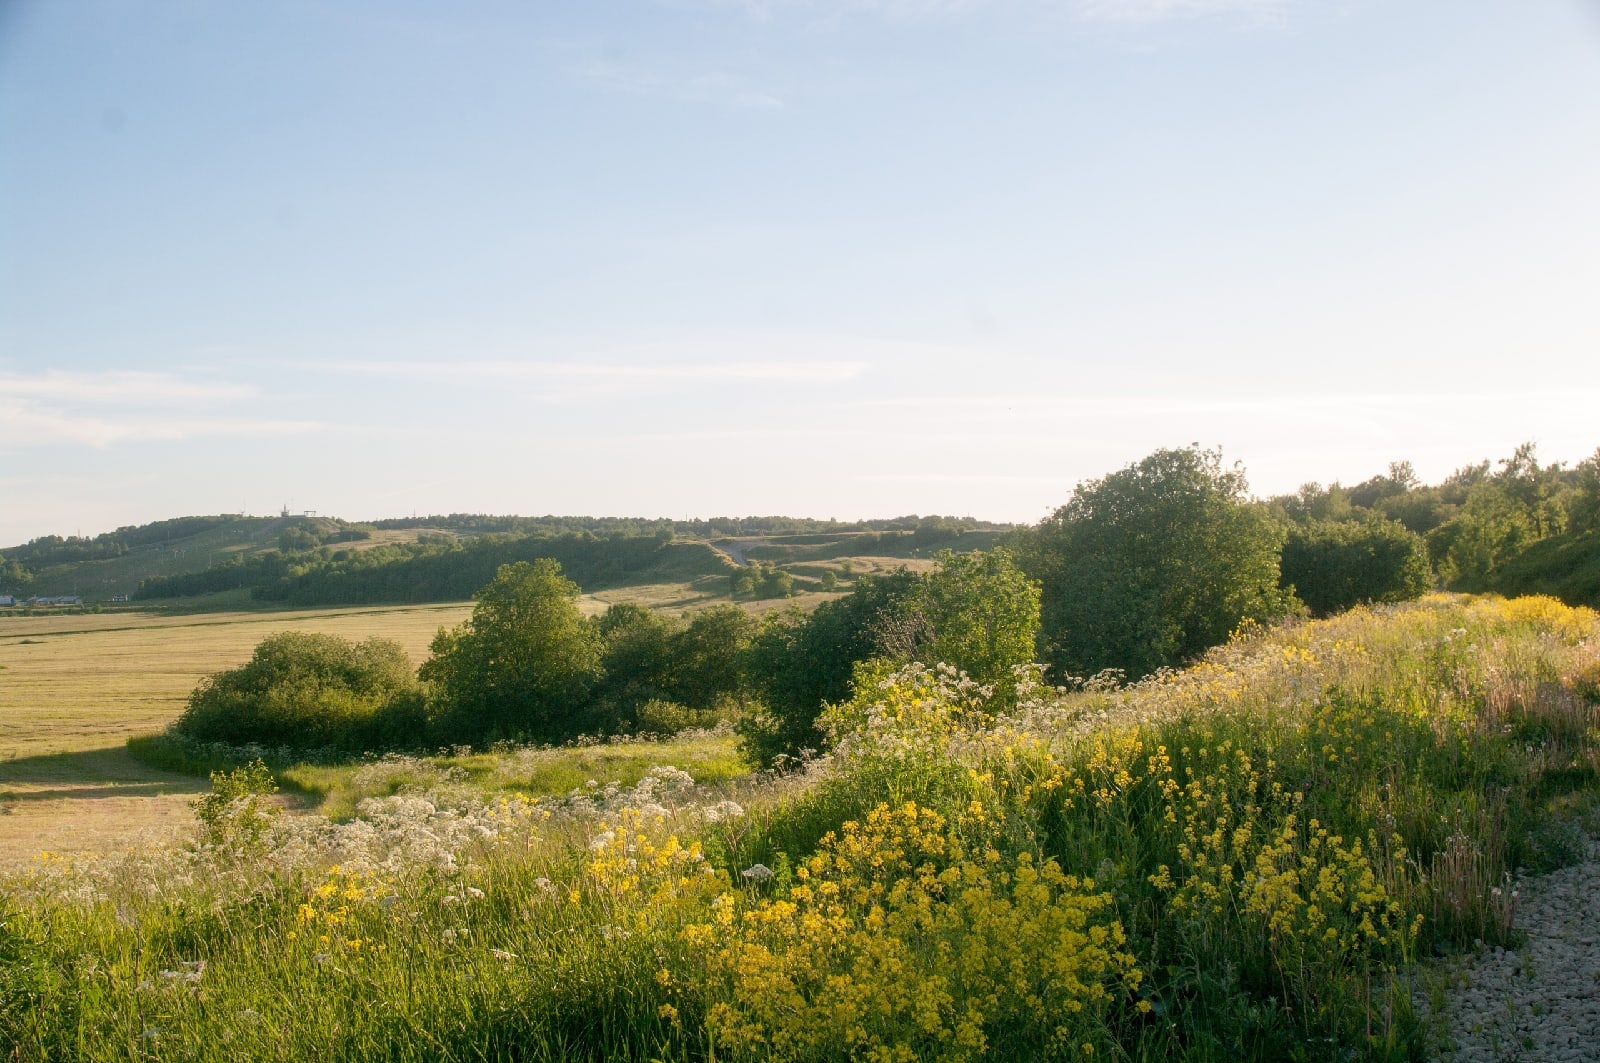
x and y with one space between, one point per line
73 689
74 683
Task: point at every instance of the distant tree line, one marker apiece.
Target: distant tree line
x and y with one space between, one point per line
307 570
1516 525
931 527
439 568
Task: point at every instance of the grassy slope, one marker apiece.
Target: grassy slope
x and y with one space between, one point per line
1567 566
99 580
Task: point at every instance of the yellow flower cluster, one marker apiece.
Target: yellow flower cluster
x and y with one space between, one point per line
897 944
643 878
1317 896
333 907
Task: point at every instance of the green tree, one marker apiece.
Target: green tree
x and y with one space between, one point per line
1585 506
1333 566
637 653
523 665
707 657
1152 565
982 615
1492 528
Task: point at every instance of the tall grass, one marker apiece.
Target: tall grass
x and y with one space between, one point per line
1240 860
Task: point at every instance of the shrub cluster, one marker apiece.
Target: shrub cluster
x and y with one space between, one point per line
1333 565
528 666
311 691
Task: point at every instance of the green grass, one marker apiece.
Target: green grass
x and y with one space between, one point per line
335 790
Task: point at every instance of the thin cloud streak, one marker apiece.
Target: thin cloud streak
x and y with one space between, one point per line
117 387
103 408
1168 404
23 426
809 372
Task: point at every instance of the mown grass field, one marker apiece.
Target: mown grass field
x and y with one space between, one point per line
75 688
1244 860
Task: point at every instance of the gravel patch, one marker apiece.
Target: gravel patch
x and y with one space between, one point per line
1541 1000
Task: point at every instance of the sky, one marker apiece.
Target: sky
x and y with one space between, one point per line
828 258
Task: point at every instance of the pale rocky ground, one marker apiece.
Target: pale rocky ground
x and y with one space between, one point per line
1541 1000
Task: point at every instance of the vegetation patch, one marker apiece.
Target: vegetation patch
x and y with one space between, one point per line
1240 860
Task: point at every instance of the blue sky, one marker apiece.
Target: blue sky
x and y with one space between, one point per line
818 257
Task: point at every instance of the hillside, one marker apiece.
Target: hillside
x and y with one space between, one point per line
1242 860
1567 566
302 560
114 564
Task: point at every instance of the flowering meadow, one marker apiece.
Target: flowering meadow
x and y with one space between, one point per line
1245 859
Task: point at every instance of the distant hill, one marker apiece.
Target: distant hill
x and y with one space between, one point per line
314 560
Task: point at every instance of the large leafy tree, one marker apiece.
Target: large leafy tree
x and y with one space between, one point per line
1152 565
523 665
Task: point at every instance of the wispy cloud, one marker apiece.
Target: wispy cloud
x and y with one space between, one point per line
116 387
819 372
99 409
718 88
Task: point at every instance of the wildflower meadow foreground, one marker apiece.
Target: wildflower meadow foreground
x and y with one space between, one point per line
1246 859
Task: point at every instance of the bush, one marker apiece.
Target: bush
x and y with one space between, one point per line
1333 566
796 662
311 691
231 815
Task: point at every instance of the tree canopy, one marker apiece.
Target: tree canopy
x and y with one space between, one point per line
1152 565
523 665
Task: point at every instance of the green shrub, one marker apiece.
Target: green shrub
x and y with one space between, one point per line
311 691
1333 566
231 815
